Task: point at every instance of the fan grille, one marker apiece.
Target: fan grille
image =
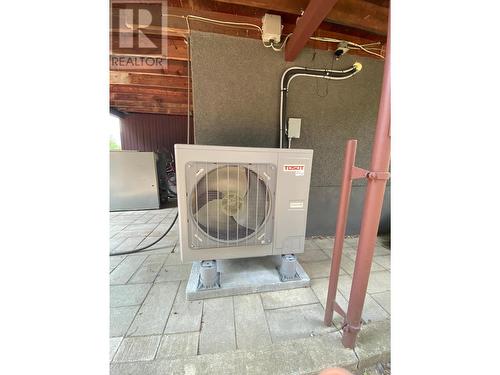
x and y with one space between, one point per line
230 204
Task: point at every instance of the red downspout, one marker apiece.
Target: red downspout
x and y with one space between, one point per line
372 208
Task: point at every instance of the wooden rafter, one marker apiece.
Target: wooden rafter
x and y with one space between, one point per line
148 79
360 14
314 14
163 110
168 66
164 97
176 47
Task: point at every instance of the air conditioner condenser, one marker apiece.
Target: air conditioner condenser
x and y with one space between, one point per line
241 202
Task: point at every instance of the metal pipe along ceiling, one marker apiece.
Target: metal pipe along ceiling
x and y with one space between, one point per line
297 71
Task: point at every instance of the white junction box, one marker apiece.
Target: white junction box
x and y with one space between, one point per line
271 28
294 127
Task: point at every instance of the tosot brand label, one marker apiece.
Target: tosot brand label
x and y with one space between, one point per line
298 169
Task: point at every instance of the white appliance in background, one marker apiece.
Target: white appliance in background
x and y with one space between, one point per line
240 202
133 181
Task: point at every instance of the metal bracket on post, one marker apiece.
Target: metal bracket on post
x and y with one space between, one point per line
357 173
378 175
209 277
350 328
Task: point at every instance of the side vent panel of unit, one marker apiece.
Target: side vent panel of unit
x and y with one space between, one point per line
230 204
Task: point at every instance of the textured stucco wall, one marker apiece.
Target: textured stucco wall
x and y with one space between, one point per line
236 102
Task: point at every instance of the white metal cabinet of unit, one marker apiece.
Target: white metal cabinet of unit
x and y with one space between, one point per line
239 202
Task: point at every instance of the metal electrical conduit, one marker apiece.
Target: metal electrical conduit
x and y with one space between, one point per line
296 71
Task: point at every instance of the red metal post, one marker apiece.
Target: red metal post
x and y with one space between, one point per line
345 194
371 210
335 371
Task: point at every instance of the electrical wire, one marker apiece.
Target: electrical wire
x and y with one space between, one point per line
364 47
370 48
327 82
366 50
282 45
267 45
325 39
226 23
371 44
151 244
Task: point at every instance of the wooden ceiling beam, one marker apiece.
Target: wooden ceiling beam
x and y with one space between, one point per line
180 98
360 14
176 48
314 14
176 21
147 90
159 111
151 29
147 79
177 24
149 104
168 66
326 29
351 16
151 108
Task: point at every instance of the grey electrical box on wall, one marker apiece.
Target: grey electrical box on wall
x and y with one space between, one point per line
294 127
239 202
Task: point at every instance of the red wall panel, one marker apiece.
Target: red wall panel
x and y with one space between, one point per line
151 132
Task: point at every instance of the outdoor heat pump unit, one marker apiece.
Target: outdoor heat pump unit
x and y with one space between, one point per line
241 202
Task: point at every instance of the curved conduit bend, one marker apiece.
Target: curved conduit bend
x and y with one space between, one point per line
297 71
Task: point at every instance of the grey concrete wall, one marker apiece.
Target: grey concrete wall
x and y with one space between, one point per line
236 90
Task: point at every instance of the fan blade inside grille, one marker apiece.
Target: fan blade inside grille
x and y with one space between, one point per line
212 216
228 179
253 212
230 202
